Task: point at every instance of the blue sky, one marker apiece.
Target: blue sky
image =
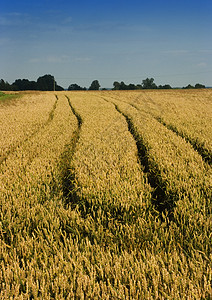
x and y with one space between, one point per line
80 41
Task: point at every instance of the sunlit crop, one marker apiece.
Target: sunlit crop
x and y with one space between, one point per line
106 195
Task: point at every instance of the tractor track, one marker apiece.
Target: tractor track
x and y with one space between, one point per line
67 170
161 201
195 144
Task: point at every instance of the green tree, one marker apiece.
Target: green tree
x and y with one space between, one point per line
24 85
199 86
94 86
189 86
165 87
148 83
75 87
116 85
131 86
46 83
5 86
123 86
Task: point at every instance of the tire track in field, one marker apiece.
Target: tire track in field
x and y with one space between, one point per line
205 153
197 146
161 201
13 148
67 171
100 214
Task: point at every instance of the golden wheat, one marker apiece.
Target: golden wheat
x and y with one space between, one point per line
188 113
20 121
79 213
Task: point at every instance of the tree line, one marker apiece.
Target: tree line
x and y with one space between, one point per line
48 83
43 83
148 83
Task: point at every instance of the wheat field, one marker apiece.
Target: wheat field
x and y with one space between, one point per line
106 195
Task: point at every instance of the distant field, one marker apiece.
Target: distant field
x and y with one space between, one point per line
106 195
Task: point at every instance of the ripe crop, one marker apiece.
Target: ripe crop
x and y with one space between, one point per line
106 195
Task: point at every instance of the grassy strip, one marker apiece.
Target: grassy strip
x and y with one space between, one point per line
6 99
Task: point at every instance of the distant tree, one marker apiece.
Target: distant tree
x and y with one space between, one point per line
138 86
189 86
5 86
58 87
123 86
46 83
94 86
131 86
2 84
199 86
33 85
148 83
116 85
166 86
75 87
24 85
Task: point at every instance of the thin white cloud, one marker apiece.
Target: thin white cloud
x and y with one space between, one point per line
110 26
16 14
35 60
67 20
176 52
53 59
134 27
206 51
14 19
83 59
202 65
58 59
